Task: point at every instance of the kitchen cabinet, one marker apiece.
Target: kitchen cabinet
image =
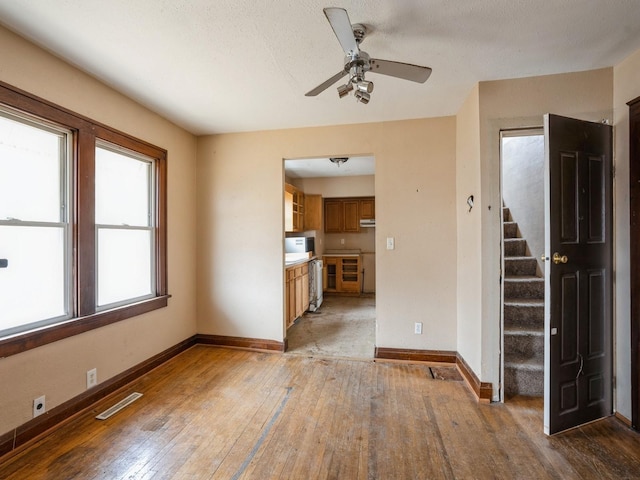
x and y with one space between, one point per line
293 209
342 274
367 208
333 216
351 216
343 215
313 212
297 292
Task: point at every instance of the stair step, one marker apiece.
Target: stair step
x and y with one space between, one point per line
510 229
515 247
506 214
524 286
517 330
520 266
526 313
522 377
525 344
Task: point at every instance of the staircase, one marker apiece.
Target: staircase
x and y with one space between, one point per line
523 316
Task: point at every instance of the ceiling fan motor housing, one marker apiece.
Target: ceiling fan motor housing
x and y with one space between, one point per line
357 64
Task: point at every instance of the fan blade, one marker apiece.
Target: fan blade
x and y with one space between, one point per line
326 84
339 20
406 71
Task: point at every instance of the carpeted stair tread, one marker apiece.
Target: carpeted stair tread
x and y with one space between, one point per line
510 229
525 302
522 363
515 330
523 278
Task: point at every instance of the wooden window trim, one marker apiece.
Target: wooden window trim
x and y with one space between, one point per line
85 133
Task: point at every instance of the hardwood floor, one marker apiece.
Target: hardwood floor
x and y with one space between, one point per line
214 413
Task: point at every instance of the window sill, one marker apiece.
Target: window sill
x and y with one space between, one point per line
24 341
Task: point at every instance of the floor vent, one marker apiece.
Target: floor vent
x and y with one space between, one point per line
119 406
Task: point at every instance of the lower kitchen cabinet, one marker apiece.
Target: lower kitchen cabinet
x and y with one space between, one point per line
342 274
297 289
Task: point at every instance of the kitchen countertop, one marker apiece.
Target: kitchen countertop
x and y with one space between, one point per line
302 261
342 253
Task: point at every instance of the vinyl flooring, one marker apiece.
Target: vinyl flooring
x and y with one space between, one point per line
343 326
215 413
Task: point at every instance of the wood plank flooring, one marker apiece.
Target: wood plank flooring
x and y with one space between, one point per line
214 413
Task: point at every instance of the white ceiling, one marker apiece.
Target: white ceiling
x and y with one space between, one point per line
242 65
323 167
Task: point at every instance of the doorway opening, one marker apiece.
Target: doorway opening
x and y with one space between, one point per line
523 243
332 200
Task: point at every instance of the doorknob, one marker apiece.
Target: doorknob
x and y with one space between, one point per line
559 259
544 258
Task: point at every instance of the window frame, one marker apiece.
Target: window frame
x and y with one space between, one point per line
86 135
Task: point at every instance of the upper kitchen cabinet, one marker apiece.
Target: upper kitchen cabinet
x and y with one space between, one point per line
313 212
343 215
367 208
333 216
293 209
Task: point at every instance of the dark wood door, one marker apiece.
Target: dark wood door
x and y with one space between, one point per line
578 380
634 211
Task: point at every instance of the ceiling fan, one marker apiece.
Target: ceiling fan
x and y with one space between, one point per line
358 62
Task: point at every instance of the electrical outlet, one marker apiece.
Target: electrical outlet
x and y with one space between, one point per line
391 243
418 328
342 241
92 377
39 406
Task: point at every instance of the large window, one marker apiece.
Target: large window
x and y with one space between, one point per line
34 223
82 224
124 225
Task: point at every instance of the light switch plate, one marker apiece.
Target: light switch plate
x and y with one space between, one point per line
391 243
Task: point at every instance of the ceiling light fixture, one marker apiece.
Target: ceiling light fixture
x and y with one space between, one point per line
338 160
362 87
362 97
344 89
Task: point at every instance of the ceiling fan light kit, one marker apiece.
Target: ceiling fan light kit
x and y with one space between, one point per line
358 62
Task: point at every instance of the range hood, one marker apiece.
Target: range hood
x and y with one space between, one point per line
367 223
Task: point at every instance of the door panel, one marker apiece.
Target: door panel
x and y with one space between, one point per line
569 320
597 203
569 192
578 348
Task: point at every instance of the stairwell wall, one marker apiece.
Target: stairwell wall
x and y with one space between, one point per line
626 87
469 262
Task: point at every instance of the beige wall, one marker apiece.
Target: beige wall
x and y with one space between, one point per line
469 260
59 370
626 87
240 182
512 104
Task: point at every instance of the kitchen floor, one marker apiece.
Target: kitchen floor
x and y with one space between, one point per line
342 327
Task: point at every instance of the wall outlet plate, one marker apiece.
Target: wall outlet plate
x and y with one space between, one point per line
391 243
92 377
39 406
418 328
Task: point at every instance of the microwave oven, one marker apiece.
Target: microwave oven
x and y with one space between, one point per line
299 244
